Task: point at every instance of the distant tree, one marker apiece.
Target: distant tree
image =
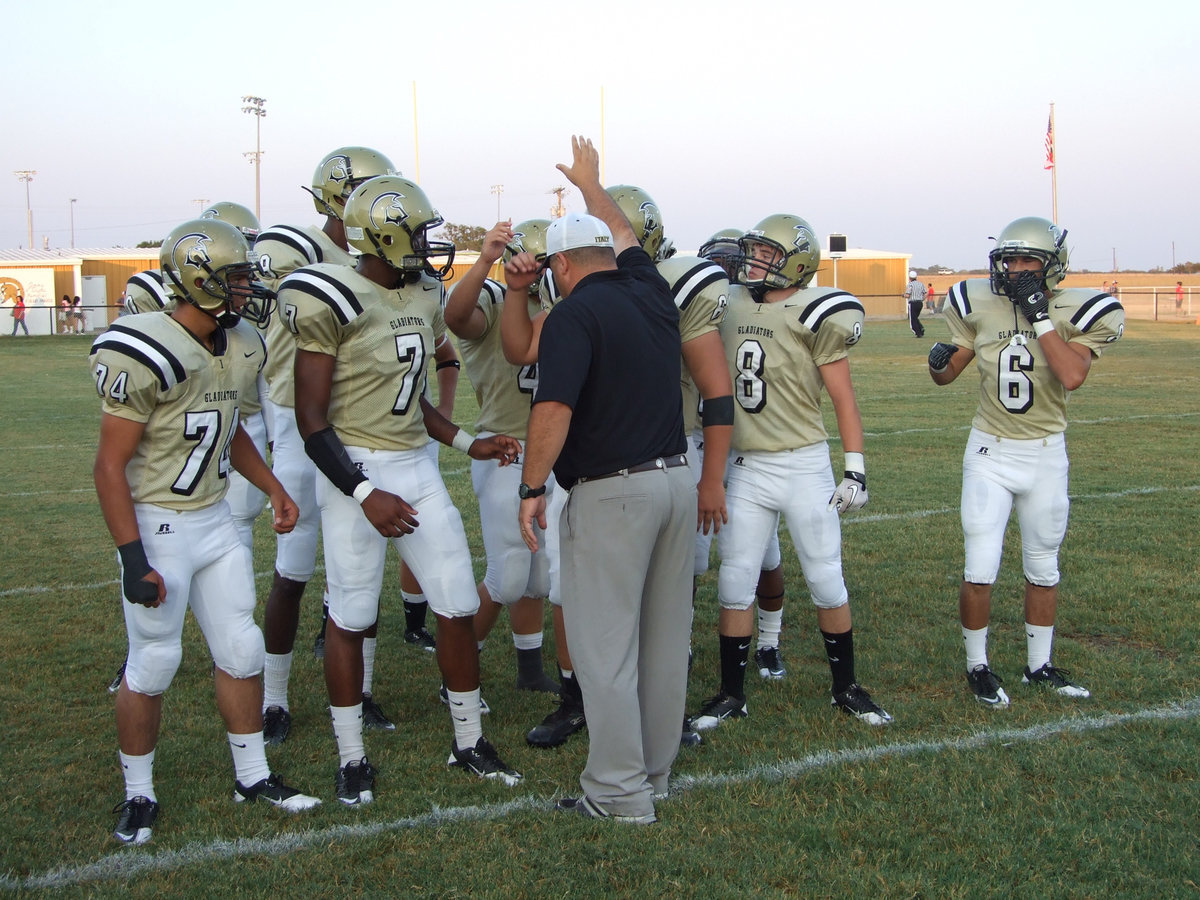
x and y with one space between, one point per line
465 237
1187 268
145 245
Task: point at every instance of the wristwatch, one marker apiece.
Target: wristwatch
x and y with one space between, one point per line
525 492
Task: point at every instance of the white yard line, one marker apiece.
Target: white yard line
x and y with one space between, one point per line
131 862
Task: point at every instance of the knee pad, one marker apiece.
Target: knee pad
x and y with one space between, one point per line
353 610
241 653
509 576
150 669
1041 568
296 552
735 586
827 587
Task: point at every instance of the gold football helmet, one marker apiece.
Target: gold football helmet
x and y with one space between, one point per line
390 217
530 237
788 253
340 172
1034 237
200 258
725 249
643 215
236 215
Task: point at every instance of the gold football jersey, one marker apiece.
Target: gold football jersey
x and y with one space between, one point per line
504 391
701 292
1019 397
150 369
774 352
281 250
382 339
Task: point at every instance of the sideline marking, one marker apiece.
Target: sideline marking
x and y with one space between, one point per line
130 862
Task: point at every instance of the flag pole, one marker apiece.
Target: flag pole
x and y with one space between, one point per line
416 142
602 134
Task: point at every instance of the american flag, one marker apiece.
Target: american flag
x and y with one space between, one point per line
1049 144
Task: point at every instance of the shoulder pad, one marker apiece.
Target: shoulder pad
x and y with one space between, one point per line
132 342
327 283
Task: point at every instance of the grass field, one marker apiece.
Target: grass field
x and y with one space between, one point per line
1050 798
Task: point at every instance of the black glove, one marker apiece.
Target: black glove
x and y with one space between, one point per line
1035 306
134 568
939 356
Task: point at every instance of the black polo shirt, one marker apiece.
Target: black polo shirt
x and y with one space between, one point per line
611 352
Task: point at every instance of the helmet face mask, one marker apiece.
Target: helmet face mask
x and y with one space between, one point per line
341 172
208 264
725 249
779 252
1030 238
530 237
644 217
390 217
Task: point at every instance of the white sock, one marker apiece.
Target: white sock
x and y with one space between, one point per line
464 713
277 668
1039 639
770 623
347 729
528 641
139 775
249 758
368 663
975 641
567 673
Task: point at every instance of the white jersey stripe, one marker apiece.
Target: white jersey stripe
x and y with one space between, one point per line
814 314
686 289
330 292
1094 309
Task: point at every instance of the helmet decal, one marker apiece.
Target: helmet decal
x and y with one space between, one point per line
804 239
387 210
650 215
192 250
338 169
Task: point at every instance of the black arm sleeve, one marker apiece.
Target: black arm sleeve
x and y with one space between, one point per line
328 452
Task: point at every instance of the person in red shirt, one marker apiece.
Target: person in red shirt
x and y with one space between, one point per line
18 315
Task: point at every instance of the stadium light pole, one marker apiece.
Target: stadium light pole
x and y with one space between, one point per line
497 189
255 106
72 208
26 175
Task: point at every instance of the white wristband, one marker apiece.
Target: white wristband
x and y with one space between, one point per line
362 491
462 441
1042 327
855 463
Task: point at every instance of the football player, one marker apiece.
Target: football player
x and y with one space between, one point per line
515 578
787 341
1033 343
170 387
725 249
699 288
364 335
282 249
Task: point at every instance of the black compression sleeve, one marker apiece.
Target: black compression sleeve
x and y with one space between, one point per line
328 452
717 411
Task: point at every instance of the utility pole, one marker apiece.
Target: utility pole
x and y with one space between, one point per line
497 189
256 107
72 222
26 175
558 210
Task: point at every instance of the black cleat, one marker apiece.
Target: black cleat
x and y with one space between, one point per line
135 821
277 724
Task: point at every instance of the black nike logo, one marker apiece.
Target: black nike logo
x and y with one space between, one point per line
248 355
236 744
457 702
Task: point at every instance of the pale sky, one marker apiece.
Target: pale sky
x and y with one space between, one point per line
909 127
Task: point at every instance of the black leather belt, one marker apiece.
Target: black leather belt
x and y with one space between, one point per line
662 462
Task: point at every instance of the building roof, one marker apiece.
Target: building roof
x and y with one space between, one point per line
72 255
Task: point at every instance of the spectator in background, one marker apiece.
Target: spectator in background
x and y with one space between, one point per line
77 315
1113 290
929 304
1179 298
18 314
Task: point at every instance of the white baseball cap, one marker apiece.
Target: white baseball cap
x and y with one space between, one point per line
575 230
912 273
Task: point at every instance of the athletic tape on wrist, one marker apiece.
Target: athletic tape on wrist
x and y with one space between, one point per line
855 463
363 491
1043 327
462 441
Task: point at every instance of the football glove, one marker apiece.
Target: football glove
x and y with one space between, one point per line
850 494
1036 307
134 568
939 356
